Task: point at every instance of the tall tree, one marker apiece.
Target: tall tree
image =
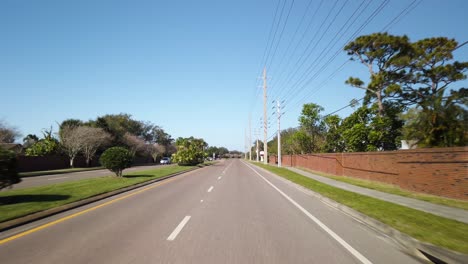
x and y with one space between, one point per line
442 125
430 72
134 143
365 130
442 116
71 141
333 139
386 57
311 122
8 134
118 125
92 139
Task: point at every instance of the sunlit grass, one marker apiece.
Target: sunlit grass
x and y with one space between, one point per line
423 226
392 189
17 203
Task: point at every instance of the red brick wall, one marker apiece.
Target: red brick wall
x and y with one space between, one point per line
437 171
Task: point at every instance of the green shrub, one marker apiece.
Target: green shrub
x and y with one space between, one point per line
8 170
189 151
116 159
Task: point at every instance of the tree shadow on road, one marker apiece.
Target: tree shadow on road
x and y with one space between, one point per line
28 198
138 176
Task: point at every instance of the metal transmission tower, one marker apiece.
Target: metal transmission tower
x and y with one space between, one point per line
265 120
279 114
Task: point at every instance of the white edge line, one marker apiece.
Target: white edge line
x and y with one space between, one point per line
177 230
318 222
210 189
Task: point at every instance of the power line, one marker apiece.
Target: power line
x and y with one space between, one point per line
274 35
262 61
300 41
329 46
281 34
403 13
325 65
308 51
353 102
295 32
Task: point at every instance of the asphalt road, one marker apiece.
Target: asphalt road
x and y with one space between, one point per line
225 213
35 181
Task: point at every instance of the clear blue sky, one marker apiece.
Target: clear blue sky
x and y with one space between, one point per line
191 67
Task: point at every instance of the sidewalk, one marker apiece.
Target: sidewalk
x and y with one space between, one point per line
440 210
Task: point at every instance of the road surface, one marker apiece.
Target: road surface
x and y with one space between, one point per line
35 181
230 212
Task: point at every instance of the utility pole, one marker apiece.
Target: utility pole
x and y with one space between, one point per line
279 114
250 137
265 120
257 134
245 142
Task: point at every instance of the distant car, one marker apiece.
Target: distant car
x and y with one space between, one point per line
165 161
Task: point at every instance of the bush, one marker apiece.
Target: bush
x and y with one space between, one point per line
8 172
189 151
116 159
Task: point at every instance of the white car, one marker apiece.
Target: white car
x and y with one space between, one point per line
165 161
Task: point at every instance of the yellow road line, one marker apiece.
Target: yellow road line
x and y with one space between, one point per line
22 234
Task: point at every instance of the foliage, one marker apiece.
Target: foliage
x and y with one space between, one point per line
8 171
71 141
444 125
155 151
301 142
118 125
365 130
116 159
161 137
190 151
72 191
414 74
430 71
334 141
92 139
48 145
8 134
385 56
312 128
69 124
29 140
218 151
134 143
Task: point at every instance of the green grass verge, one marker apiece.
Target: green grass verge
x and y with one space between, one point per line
423 226
17 203
52 172
388 188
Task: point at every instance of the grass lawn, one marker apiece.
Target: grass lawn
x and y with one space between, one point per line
388 188
51 172
423 226
17 203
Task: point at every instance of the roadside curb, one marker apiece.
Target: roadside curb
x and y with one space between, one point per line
410 245
53 211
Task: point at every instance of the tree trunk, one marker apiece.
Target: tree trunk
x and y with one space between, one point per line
71 161
380 103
